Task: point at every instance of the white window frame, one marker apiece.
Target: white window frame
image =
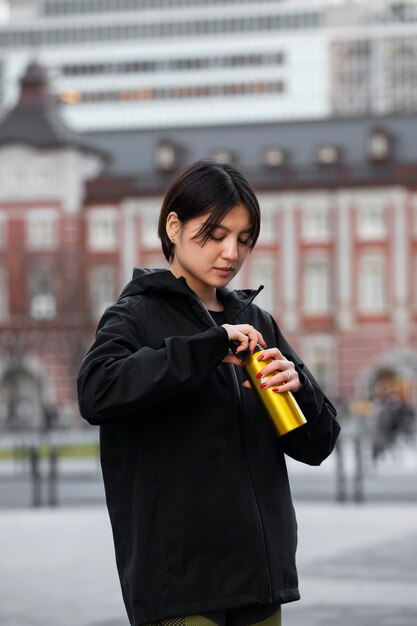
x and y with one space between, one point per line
319 353
372 222
270 211
42 229
316 285
415 281
149 218
43 306
315 223
42 302
262 272
3 231
103 229
101 298
372 285
414 214
4 301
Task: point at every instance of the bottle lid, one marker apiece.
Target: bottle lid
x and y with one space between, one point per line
245 353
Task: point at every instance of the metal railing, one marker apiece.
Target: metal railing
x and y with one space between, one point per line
39 458
52 477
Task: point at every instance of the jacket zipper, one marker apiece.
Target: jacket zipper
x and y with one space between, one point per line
253 491
238 390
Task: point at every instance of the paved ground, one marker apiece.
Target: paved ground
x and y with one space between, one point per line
357 563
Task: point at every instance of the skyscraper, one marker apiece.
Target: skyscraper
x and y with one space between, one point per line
164 63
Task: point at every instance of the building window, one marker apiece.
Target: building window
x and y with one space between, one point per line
375 75
103 284
166 156
4 305
414 214
102 229
372 283
2 231
328 155
17 175
275 157
319 351
350 77
172 93
414 279
371 222
224 156
91 7
150 216
316 286
268 233
43 171
151 66
316 223
379 146
262 272
42 301
42 229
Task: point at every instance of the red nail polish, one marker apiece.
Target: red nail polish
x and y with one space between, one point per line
260 357
275 390
259 375
262 385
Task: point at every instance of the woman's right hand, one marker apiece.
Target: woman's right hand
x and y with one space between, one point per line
246 336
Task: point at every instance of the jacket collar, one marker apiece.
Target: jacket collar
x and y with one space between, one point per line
162 281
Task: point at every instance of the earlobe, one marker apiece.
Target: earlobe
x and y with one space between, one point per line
172 226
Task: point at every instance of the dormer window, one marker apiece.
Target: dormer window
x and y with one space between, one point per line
275 157
166 156
328 154
379 146
42 301
223 156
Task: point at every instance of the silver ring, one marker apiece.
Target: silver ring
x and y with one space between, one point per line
289 374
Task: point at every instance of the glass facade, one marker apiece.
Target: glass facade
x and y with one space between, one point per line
335 59
133 31
374 76
81 7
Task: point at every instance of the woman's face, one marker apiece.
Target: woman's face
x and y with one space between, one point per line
212 264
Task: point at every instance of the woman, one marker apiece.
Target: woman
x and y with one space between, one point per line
195 477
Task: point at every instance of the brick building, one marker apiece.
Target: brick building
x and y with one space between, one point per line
337 252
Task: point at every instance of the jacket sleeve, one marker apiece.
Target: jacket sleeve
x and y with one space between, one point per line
315 440
120 374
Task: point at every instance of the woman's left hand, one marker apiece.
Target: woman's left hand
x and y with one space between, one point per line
283 375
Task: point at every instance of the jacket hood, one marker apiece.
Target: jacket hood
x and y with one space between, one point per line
163 281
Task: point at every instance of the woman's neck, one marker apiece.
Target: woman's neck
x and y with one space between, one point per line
210 300
207 296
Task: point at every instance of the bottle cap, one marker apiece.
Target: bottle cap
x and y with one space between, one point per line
245 353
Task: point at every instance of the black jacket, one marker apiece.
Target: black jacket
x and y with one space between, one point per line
195 477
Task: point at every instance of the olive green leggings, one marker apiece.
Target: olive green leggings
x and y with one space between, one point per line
244 616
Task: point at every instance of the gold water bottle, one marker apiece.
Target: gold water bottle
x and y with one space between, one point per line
281 407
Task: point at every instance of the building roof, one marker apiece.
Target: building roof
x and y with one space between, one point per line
36 120
134 152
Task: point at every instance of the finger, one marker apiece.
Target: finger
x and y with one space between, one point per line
276 367
292 385
243 341
291 382
255 338
287 378
273 353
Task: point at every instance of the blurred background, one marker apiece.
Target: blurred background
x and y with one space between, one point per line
315 101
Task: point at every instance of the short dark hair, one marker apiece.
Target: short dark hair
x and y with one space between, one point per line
207 187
